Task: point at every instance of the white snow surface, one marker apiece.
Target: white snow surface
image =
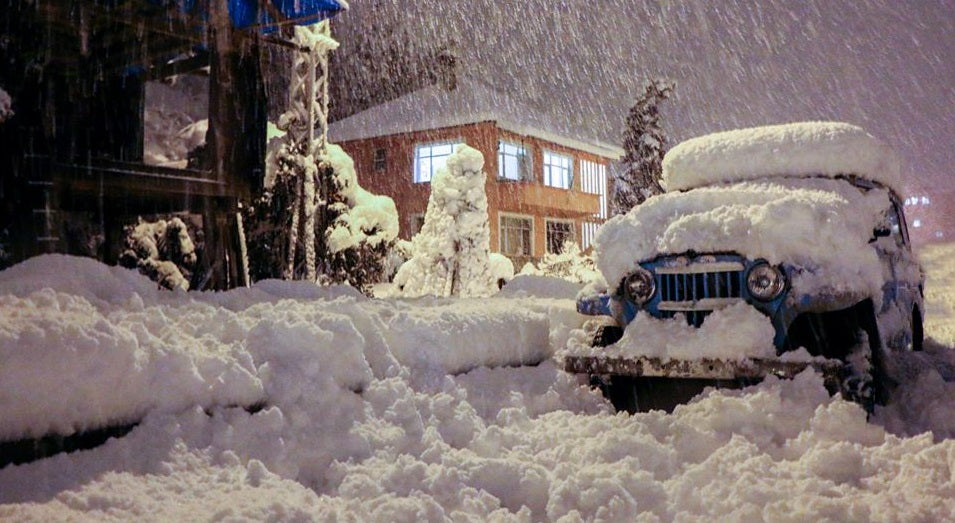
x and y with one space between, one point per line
365 421
795 149
675 339
821 225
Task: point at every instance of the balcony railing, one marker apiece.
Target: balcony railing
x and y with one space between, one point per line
542 197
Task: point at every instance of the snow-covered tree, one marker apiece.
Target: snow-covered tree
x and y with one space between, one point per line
162 250
450 254
354 230
570 264
644 144
360 228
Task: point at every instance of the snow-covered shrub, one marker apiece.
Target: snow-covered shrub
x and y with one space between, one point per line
570 264
396 257
502 268
355 230
6 106
162 250
450 254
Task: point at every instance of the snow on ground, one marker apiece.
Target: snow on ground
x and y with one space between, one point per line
366 420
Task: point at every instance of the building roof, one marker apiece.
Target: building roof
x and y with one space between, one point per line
471 101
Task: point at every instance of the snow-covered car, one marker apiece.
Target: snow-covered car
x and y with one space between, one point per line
773 249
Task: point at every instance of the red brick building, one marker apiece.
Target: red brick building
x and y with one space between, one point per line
930 217
543 187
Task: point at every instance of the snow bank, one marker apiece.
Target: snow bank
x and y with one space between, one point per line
738 331
541 287
105 347
940 292
820 225
796 149
502 444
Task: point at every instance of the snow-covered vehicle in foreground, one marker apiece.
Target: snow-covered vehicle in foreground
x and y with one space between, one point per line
774 249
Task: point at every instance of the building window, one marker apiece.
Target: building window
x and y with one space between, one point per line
516 234
559 233
381 159
513 161
429 158
558 170
916 223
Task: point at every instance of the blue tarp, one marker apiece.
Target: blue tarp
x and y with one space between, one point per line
249 13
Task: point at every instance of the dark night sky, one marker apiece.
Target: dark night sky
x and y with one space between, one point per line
885 65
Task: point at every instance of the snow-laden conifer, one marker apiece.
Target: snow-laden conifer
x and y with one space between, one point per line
644 144
450 254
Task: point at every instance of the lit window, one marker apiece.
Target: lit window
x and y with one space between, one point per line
925 200
513 161
429 158
516 233
916 223
558 171
559 233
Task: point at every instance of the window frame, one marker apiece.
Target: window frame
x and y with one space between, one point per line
416 177
500 233
527 164
548 167
565 221
379 163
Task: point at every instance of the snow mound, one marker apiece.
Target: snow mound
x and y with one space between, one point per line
673 338
541 287
84 345
940 292
416 444
796 149
814 223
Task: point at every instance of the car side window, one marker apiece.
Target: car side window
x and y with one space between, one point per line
899 221
893 226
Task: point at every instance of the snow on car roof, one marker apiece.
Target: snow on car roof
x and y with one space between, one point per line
795 149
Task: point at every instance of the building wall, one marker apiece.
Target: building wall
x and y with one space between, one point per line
930 217
523 198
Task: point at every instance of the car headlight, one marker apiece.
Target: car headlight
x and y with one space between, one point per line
640 286
765 282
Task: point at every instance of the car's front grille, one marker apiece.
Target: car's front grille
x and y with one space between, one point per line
699 288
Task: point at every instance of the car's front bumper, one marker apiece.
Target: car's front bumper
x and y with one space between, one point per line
704 368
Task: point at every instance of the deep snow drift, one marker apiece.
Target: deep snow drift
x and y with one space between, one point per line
368 418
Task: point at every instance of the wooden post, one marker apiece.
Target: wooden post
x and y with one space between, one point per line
235 140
